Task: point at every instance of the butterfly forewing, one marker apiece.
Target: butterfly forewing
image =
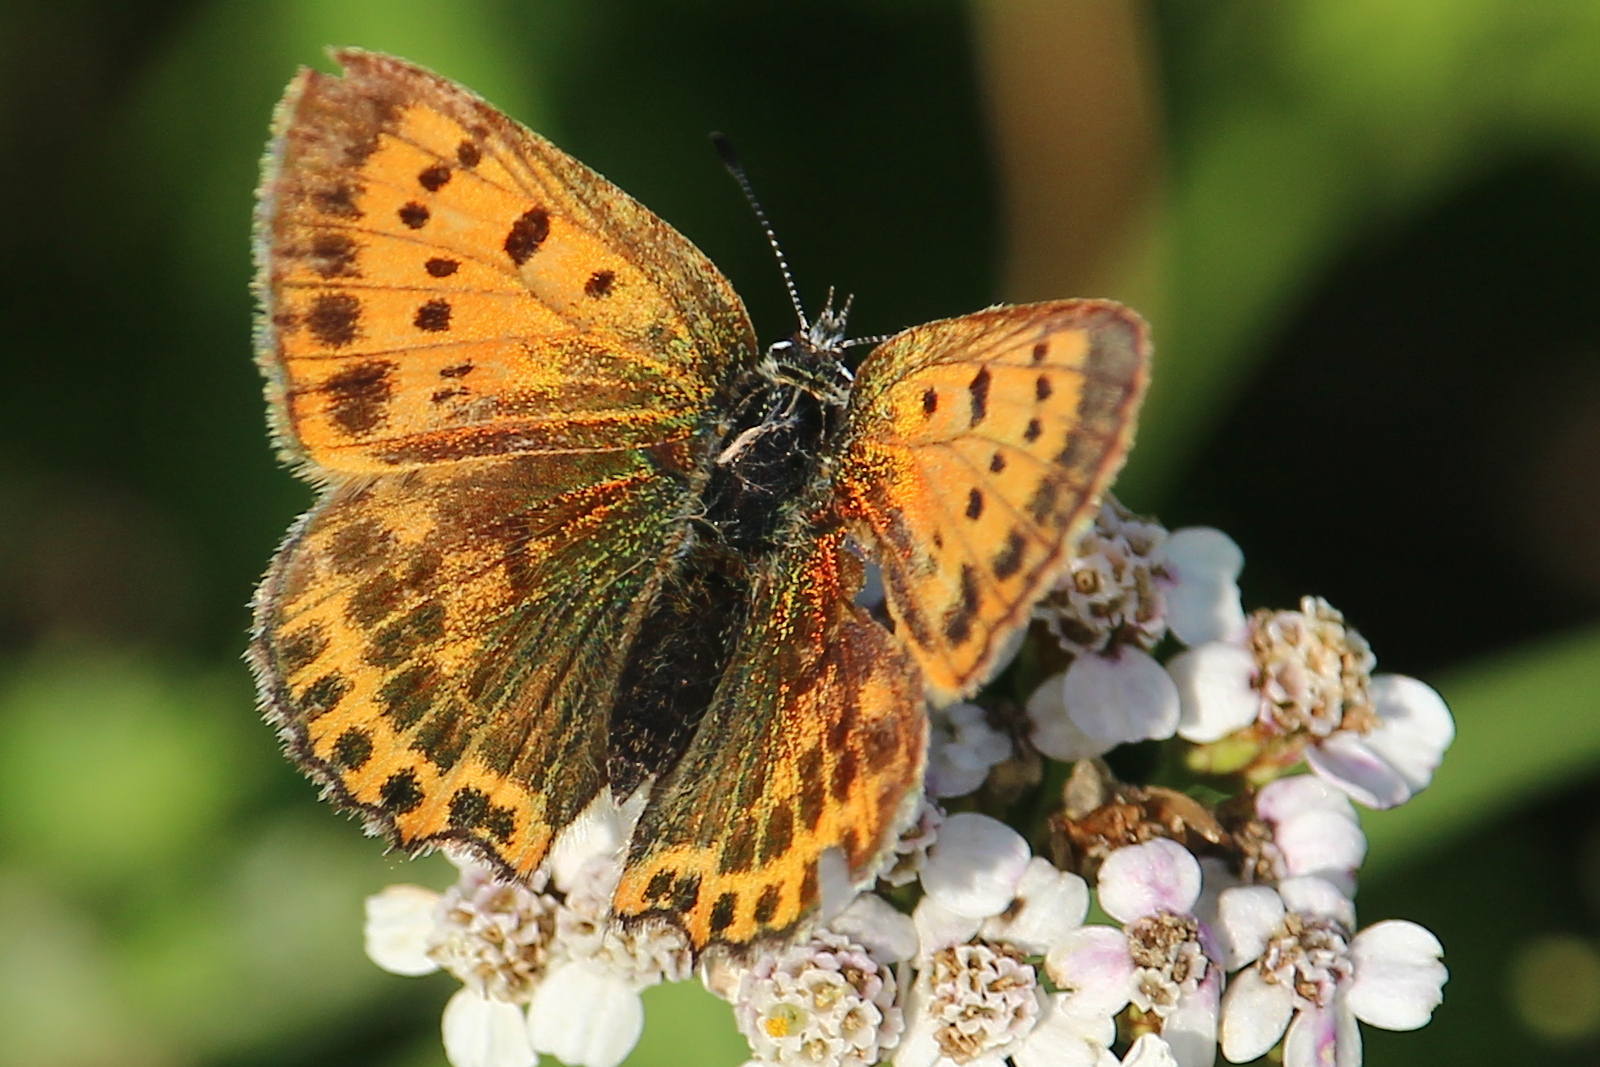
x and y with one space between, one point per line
440 283
975 449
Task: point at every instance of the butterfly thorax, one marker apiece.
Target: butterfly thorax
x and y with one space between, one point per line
769 459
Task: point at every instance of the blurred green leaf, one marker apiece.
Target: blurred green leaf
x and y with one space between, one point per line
685 1024
1527 725
110 768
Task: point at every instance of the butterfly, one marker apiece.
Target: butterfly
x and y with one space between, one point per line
582 545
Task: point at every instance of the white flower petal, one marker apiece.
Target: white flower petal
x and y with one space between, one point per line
1049 905
1191 1029
917 1047
585 1016
1319 897
1141 880
1415 727
1320 842
974 867
1063 1038
1054 732
1203 603
1150 1050
1312 1040
400 921
938 927
1216 691
482 1032
1255 1013
597 831
1093 964
1122 696
962 746
879 927
1345 761
1285 799
1398 979
1247 917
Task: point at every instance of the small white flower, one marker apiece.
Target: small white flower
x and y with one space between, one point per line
1304 973
1202 568
494 936
1110 594
1305 674
481 1031
1303 826
1053 731
824 1001
586 1015
400 922
975 866
962 746
1162 960
973 1004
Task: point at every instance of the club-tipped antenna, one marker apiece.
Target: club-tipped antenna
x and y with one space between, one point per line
730 159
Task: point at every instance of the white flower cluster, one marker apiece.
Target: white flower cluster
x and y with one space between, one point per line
1232 925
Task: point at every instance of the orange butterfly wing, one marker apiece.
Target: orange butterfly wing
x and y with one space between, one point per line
975 449
440 283
503 372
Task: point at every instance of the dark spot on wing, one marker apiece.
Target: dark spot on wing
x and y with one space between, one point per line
439 396
353 749
468 154
1043 503
974 504
334 319
844 774
1075 452
359 396
443 735
301 649
460 370
600 283
686 894
338 202
413 214
333 255
779 833
355 545
1031 434
997 463
808 886
722 912
978 391
401 640
659 888
902 596
1041 388
401 792
434 177
440 267
958 621
322 695
812 789
930 401
1009 559
1040 350
407 696
434 316
527 234
767 904
468 806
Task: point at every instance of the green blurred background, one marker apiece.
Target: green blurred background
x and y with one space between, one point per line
1367 233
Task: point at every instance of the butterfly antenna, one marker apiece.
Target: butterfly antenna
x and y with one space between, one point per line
730 159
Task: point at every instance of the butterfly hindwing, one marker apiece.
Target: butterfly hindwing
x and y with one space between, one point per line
433 646
811 755
440 283
975 448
